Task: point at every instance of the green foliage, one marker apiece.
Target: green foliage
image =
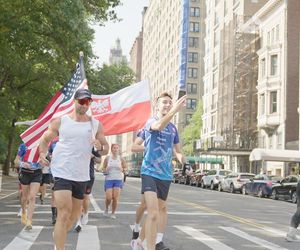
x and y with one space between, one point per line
191 132
111 78
39 45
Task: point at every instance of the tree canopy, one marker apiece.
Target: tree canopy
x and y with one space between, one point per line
39 45
191 132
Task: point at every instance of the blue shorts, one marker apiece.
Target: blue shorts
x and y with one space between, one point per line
113 184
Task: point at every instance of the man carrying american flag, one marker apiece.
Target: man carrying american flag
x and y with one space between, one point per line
78 134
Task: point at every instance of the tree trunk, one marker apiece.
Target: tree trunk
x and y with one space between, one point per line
11 140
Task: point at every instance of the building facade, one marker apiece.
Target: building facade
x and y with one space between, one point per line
161 52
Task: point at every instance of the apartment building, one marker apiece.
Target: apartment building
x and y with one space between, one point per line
229 111
278 79
162 26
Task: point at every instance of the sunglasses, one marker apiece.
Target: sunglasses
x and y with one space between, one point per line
85 101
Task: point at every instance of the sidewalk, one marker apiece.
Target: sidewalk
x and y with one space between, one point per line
9 185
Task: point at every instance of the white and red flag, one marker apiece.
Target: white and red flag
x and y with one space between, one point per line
126 110
123 111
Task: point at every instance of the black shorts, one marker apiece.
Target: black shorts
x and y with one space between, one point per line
27 176
46 179
160 187
76 187
89 186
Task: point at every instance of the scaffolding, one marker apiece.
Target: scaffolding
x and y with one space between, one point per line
237 94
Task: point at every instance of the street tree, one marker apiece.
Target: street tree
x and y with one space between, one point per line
191 132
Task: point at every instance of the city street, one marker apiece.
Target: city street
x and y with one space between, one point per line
198 219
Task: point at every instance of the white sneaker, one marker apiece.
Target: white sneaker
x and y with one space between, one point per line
84 218
113 216
136 244
105 213
291 235
20 213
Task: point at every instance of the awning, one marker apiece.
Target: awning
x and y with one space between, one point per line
205 159
260 154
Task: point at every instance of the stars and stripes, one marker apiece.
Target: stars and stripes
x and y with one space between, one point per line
60 104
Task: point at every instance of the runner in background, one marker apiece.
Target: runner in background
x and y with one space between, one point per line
114 166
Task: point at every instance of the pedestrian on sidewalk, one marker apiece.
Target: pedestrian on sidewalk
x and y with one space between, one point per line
78 134
114 167
30 177
84 217
160 141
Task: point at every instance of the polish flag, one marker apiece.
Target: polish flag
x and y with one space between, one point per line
123 111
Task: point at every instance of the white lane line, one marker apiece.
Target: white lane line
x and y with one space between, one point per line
88 238
256 240
25 239
203 238
119 212
95 205
8 195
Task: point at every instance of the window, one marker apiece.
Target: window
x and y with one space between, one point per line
188 117
271 142
194 27
262 104
263 67
216 38
193 57
192 88
191 103
273 102
225 8
279 139
194 11
214 101
277 32
213 123
215 80
216 18
192 72
193 42
274 65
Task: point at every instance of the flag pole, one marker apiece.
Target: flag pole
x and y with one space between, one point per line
81 55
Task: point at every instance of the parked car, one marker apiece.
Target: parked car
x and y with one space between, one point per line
234 182
261 185
177 172
212 178
286 189
197 176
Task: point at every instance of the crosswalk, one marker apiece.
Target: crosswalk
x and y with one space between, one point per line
89 239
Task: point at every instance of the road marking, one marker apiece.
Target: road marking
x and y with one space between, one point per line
122 212
203 238
256 240
8 195
88 238
95 205
25 239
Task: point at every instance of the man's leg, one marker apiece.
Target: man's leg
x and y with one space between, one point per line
63 200
138 217
33 190
75 213
151 222
24 198
86 203
162 223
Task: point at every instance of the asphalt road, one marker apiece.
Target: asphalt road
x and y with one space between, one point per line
198 219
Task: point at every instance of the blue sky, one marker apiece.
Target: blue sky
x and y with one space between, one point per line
127 29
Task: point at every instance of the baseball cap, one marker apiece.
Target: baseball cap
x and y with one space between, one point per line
83 93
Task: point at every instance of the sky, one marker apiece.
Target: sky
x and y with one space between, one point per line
127 30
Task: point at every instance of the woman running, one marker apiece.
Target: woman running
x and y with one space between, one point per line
113 166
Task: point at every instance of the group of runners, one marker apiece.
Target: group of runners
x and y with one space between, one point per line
71 159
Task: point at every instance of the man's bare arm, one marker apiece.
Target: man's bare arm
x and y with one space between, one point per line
100 138
178 153
46 138
137 145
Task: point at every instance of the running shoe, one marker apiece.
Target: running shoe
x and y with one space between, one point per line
136 244
84 218
53 219
20 213
78 226
28 225
113 216
105 213
135 235
161 246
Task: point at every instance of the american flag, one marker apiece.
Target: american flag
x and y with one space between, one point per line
60 104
